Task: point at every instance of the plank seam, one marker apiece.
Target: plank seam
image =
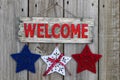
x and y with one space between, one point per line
63 17
28 43
98 35
28 9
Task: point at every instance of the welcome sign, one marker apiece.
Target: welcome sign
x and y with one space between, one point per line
55 30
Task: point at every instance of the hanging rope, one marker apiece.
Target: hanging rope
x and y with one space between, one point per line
53 6
45 10
66 11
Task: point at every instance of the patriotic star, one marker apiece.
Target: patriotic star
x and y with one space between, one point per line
56 62
25 60
86 60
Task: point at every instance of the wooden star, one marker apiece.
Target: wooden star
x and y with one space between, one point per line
25 60
86 60
56 62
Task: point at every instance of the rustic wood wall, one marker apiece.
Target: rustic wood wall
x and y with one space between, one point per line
106 41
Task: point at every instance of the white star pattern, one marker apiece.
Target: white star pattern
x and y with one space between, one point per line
58 67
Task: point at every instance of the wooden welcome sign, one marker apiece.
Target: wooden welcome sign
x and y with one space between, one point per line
55 30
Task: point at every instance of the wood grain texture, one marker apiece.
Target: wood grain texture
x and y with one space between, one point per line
109 40
45 49
10 10
82 9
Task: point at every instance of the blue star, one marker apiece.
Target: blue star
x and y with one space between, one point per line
25 60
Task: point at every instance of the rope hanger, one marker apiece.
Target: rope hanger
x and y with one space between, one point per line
56 4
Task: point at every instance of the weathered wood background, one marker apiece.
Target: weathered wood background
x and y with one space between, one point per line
106 41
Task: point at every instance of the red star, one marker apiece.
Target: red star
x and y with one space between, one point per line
86 60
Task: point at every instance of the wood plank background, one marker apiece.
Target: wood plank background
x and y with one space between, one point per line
106 41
